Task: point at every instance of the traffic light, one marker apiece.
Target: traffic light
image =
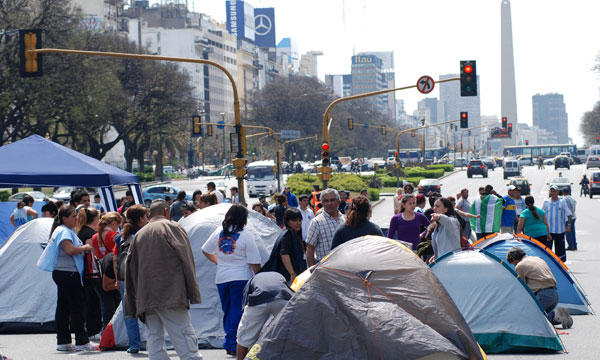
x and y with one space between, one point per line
30 63
423 122
510 127
464 120
383 131
350 124
526 142
597 139
461 146
451 126
208 130
413 133
468 78
196 128
325 154
504 122
469 132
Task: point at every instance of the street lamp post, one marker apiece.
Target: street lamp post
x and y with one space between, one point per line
223 120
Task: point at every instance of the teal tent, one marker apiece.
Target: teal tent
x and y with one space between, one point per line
499 308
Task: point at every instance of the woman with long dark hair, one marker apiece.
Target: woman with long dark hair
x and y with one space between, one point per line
533 223
234 251
68 276
291 246
408 223
357 223
446 229
136 218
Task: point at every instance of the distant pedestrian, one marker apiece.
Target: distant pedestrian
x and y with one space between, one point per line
23 213
572 205
408 224
344 201
307 214
292 201
212 189
176 211
280 209
357 223
533 223
234 251
160 284
559 218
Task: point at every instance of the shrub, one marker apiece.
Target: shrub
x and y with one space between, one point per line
145 177
446 167
303 183
4 195
373 194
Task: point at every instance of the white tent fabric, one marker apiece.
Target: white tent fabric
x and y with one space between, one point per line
27 294
207 316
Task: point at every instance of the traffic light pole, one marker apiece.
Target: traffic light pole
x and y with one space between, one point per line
469 129
240 160
327 118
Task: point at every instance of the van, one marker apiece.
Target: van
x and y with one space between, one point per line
511 167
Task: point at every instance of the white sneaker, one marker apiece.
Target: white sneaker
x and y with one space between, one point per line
96 337
87 347
65 347
563 316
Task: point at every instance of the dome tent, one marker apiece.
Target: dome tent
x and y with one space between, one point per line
499 307
369 298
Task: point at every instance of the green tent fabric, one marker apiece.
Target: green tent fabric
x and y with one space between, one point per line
490 209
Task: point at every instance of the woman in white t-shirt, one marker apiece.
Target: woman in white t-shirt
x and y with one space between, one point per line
23 213
234 251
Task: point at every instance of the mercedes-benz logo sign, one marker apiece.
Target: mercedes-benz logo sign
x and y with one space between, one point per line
262 24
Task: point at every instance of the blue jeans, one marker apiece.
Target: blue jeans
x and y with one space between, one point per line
132 326
232 295
548 298
571 241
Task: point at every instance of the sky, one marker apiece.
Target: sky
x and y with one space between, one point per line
555 43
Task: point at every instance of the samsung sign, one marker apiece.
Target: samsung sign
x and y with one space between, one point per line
264 27
240 19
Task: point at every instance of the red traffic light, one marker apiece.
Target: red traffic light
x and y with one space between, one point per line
396 153
468 69
464 115
325 147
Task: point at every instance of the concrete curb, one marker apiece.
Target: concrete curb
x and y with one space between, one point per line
377 202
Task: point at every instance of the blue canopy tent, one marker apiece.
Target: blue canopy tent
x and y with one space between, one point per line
36 161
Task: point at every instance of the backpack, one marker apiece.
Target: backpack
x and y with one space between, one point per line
92 269
122 257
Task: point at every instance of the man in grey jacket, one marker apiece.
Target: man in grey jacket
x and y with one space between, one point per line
160 284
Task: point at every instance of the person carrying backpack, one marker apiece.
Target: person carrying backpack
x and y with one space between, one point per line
136 218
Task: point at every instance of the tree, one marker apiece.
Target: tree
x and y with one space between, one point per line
589 127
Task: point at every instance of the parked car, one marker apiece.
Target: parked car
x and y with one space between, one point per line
592 161
562 161
562 183
64 192
427 185
525 160
477 167
594 184
511 167
154 192
521 183
36 195
490 162
549 161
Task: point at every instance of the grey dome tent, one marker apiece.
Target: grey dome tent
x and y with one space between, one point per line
371 298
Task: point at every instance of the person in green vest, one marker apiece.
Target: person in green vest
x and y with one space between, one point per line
489 206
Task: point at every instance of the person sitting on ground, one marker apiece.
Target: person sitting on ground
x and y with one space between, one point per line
357 223
264 296
538 276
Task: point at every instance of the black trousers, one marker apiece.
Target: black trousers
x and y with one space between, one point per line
109 301
69 305
93 315
559 245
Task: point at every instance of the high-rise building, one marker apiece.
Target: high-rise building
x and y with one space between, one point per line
389 80
549 113
367 76
454 104
508 104
289 47
308 63
102 15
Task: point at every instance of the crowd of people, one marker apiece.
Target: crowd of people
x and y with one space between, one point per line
103 259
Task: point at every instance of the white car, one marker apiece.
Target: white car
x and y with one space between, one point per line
37 196
525 160
549 161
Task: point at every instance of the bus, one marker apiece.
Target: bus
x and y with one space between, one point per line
535 151
261 178
414 155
